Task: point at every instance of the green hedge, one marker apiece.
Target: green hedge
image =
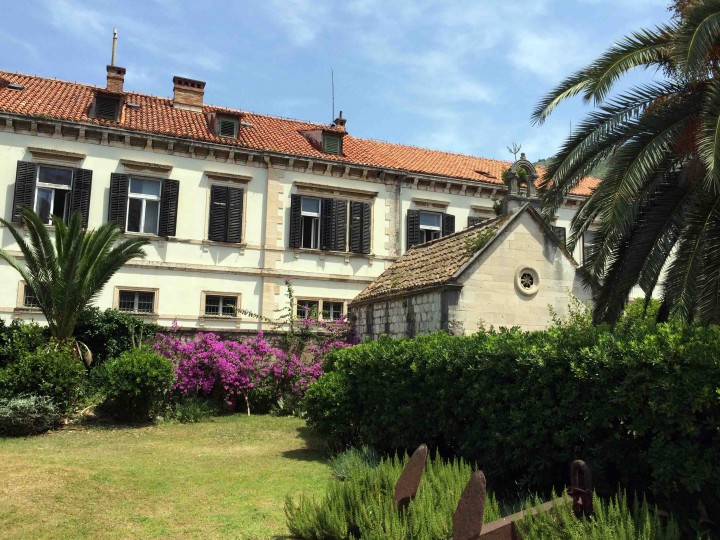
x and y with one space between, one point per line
110 332
50 371
640 403
137 384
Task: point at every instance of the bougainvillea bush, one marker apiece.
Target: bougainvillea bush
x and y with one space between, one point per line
236 372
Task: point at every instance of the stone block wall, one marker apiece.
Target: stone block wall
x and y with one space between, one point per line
400 317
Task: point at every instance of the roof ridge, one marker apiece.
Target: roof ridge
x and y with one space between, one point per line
447 153
264 115
480 225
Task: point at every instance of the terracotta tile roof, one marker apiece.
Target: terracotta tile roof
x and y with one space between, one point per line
429 265
71 101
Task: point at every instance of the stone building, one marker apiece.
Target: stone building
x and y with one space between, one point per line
505 271
234 202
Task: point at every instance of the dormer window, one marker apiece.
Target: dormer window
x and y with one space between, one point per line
332 144
227 127
107 107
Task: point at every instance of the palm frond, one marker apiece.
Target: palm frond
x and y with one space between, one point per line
642 49
708 140
645 48
69 273
598 137
570 87
697 38
681 288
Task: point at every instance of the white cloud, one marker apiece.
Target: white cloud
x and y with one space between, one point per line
302 20
550 55
95 26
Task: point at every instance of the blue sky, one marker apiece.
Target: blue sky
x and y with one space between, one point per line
460 76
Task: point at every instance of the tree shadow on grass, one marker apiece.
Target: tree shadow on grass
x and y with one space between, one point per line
314 447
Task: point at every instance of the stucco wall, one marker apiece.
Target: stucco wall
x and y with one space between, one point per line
490 294
181 268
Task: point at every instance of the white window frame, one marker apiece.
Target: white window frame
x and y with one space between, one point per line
298 301
331 301
222 297
430 230
136 291
317 218
21 295
143 198
47 185
320 306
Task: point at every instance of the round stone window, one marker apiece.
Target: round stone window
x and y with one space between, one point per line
527 281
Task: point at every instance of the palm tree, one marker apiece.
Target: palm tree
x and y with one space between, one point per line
659 203
66 276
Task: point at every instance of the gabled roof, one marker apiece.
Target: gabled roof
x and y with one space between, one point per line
51 98
441 262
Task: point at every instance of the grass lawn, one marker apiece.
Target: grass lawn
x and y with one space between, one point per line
224 478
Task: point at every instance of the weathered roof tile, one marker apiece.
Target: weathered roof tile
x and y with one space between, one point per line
71 101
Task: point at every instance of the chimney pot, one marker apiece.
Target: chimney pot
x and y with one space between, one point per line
115 78
188 94
340 122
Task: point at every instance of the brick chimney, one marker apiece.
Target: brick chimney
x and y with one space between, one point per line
188 94
115 78
340 122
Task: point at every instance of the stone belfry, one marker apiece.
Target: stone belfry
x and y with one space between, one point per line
520 180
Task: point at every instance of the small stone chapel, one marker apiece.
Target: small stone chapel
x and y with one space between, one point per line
505 271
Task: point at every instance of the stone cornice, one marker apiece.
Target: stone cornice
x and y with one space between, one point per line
156 143
317 189
59 156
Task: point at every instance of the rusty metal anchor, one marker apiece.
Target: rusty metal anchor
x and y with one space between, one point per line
581 494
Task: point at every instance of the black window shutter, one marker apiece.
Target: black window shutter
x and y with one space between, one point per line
365 209
341 225
356 227
218 213
295 220
80 201
560 233
24 188
235 215
413 228
168 207
328 230
117 208
448 224
474 220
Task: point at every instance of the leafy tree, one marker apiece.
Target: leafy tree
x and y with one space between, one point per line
659 202
66 275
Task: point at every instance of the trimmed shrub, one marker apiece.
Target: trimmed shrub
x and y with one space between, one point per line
28 415
639 404
361 505
49 371
19 338
613 518
192 410
137 384
109 333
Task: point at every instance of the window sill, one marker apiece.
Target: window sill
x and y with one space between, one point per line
220 317
238 245
25 309
151 236
143 314
324 252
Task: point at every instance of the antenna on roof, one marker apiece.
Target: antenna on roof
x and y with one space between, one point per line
114 48
332 85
